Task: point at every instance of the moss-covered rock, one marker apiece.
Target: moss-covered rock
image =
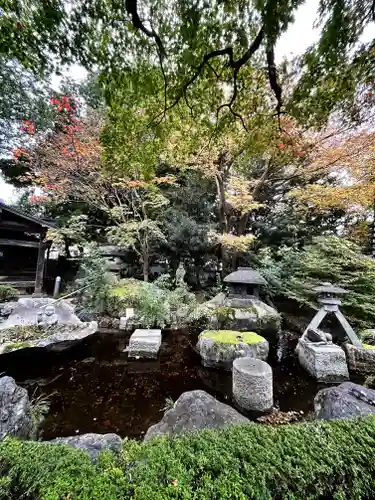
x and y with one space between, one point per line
219 348
13 346
250 314
54 338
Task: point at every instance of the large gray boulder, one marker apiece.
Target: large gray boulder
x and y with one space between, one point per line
219 348
16 418
33 311
247 314
345 401
61 337
92 443
193 411
6 308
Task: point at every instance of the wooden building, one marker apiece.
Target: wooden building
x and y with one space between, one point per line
23 248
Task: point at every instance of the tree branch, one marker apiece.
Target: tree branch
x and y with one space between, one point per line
131 8
272 77
235 65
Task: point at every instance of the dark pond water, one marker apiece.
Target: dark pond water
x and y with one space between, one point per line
94 388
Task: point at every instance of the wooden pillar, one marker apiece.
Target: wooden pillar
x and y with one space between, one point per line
40 264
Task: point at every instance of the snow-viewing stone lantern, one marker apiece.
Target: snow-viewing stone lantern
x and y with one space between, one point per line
239 308
329 298
244 283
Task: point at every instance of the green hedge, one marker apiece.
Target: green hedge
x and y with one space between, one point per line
334 460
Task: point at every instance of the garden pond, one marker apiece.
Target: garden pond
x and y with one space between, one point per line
94 387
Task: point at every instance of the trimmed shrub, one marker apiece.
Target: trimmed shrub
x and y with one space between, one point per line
34 470
331 460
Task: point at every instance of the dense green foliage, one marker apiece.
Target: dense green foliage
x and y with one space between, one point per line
293 273
157 304
302 461
188 48
7 292
93 282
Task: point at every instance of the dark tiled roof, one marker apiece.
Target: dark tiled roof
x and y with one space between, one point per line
18 213
245 275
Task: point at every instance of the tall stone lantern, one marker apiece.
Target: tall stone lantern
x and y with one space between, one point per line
244 283
329 298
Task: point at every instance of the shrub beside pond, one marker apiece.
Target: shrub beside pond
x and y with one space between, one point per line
301 461
156 304
7 292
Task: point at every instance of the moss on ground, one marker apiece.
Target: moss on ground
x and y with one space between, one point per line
232 337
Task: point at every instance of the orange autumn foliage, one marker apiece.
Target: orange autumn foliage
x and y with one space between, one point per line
348 162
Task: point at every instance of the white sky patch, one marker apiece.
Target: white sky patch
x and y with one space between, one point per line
301 34
7 192
74 71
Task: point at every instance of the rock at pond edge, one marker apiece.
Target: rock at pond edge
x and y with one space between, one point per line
348 400
325 362
56 342
194 411
16 417
360 359
92 443
247 314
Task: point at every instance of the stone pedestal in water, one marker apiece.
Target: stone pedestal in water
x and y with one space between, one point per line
326 362
252 384
144 344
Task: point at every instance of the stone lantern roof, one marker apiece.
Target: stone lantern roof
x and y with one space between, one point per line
330 289
245 275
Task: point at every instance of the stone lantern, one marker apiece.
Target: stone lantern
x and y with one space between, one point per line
244 283
329 298
239 308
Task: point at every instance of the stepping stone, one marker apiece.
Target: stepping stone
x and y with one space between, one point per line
144 344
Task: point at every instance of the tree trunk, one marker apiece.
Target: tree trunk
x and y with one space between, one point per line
67 251
222 219
173 266
145 268
145 261
234 260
